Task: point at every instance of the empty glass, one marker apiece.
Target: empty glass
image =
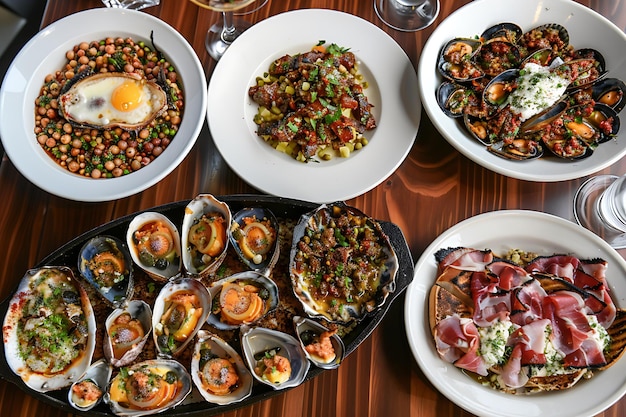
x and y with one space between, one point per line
131 4
407 15
600 206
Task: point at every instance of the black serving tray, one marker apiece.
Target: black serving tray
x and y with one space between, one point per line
282 207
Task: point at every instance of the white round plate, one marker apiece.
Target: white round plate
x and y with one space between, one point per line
500 231
587 29
392 90
45 53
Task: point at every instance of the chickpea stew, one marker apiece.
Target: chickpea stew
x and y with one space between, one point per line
91 128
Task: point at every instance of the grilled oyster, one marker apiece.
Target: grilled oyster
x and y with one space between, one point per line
218 371
127 330
241 299
154 244
180 309
276 358
205 234
148 387
49 308
88 391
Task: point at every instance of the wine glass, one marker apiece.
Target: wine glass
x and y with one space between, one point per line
600 206
220 36
407 15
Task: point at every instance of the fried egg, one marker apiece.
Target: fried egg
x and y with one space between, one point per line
109 100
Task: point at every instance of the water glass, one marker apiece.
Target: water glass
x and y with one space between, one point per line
600 206
131 4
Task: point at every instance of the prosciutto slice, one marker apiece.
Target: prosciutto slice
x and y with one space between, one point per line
458 342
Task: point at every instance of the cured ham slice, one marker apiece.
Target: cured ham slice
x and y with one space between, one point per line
467 259
458 341
547 305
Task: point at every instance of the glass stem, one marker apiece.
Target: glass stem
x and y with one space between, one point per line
229 32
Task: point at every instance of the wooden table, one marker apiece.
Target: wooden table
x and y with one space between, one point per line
380 377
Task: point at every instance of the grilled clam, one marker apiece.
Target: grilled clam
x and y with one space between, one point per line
322 346
127 330
49 309
276 358
205 234
154 244
218 371
105 262
242 298
88 391
254 235
148 387
354 255
180 309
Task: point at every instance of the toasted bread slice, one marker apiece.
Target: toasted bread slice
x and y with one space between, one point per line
443 303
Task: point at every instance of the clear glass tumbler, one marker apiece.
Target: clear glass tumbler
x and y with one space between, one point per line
600 206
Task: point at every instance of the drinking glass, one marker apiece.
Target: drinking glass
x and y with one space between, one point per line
221 35
131 4
600 206
407 15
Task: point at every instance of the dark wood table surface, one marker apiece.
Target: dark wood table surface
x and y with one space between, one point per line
381 377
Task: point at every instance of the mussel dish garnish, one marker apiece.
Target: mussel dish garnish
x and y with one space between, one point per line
512 79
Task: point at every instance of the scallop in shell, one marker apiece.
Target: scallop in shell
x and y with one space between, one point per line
108 100
127 330
205 234
180 310
218 371
49 302
154 244
165 383
351 249
105 262
322 346
275 358
242 298
88 391
254 235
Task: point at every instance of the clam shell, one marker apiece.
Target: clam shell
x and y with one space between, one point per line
336 234
157 366
185 293
217 347
26 304
99 374
160 266
262 282
258 251
307 330
106 264
196 263
138 310
257 341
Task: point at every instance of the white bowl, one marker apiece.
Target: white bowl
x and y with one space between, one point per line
45 53
587 29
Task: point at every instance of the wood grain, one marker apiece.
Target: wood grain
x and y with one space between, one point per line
381 377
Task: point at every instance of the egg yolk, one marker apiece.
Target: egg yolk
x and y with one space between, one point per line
126 97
